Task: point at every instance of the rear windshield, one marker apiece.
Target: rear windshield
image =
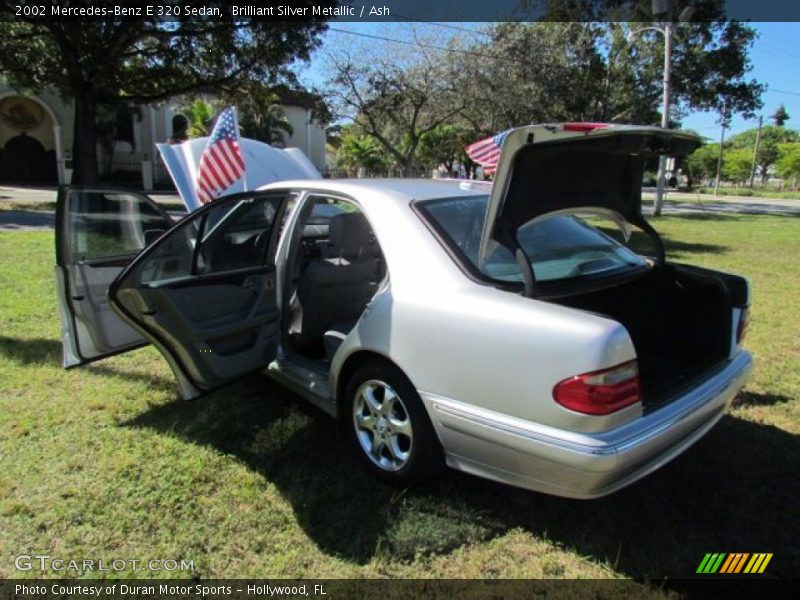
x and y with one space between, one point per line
559 247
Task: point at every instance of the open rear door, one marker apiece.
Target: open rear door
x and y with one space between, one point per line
205 294
98 233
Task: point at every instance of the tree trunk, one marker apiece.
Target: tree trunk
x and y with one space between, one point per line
84 141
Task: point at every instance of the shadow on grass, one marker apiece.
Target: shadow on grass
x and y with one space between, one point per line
680 247
48 351
731 492
31 351
755 399
642 244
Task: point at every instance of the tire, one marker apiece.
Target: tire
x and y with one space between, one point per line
389 427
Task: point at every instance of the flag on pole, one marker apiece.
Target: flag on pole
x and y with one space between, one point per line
263 165
222 163
486 152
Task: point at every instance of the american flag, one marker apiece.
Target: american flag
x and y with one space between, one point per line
221 163
486 152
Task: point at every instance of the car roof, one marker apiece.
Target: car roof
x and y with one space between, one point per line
399 189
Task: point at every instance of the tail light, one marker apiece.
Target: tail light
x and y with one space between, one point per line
744 321
600 392
585 127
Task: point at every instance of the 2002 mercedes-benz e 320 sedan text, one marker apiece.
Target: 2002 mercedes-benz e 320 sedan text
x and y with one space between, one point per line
508 331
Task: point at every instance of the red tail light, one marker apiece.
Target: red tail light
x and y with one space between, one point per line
585 127
744 321
600 392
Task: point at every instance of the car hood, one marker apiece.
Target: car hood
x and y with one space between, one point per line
547 168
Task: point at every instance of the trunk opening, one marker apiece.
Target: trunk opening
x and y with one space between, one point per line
679 321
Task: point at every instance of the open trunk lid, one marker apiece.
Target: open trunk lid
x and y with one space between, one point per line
546 168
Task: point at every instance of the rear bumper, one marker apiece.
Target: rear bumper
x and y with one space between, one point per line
582 465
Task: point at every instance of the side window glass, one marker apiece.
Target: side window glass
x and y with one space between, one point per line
111 224
320 239
231 235
237 237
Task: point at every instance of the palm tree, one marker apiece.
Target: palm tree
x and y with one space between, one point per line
263 118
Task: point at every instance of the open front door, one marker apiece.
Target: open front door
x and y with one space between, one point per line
98 233
205 294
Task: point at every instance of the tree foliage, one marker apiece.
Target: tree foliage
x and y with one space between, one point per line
737 165
516 73
360 151
143 60
702 163
444 145
788 164
780 116
770 138
394 102
201 116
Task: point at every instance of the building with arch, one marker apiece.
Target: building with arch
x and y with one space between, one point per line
36 133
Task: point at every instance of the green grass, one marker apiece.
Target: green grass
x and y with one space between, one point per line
105 462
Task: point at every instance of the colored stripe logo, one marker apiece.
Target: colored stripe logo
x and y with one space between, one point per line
735 562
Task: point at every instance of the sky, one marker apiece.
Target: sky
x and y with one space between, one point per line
775 58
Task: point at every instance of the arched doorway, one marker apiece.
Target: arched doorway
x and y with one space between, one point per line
27 142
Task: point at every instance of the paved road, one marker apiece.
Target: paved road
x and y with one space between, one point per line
32 220
677 203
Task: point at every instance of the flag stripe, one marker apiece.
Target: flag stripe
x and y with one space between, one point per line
222 163
220 166
486 152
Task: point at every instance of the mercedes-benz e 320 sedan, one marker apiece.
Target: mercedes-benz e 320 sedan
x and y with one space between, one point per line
512 331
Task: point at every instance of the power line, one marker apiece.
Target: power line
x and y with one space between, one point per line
429 46
446 26
777 91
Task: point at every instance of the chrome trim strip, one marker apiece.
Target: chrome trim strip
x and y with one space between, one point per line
698 404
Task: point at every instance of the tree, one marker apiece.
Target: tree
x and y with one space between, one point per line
143 60
201 116
770 138
780 116
359 151
443 145
702 163
736 165
261 114
394 99
788 165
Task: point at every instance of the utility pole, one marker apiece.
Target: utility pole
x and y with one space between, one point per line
662 160
755 151
721 147
664 9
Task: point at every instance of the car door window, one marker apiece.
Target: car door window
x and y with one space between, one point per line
230 236
111 224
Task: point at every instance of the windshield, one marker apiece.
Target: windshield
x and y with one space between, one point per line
559 246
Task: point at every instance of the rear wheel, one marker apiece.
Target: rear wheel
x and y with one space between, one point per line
389 426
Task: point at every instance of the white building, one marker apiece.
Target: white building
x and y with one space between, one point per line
36 133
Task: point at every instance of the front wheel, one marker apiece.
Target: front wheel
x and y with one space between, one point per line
389 426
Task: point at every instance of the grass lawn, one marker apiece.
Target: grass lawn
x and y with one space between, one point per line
105 462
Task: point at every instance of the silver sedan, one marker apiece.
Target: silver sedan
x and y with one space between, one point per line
530 331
